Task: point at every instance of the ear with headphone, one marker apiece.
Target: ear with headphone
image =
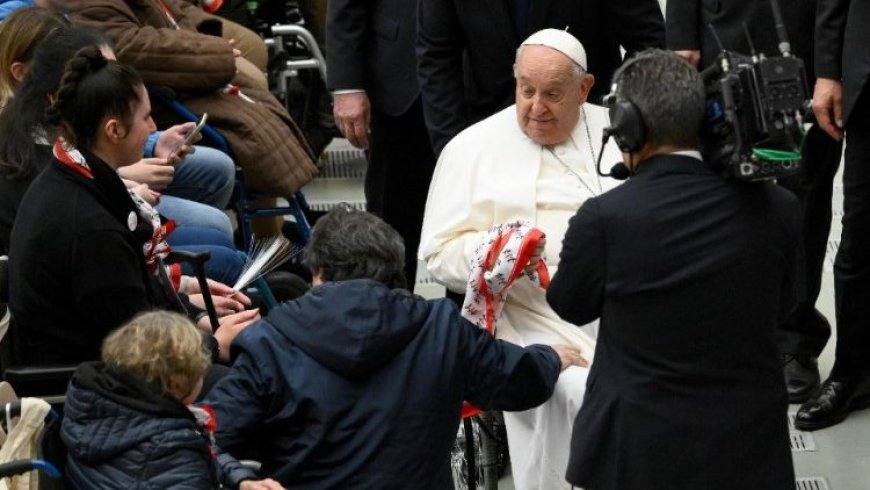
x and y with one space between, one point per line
626 125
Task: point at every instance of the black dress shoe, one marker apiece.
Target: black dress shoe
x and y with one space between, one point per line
833 404
801 377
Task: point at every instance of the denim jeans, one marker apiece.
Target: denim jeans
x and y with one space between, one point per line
190 214
225 264
206 176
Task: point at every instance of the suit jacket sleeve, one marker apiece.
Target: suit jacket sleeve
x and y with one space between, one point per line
830 30
576 292
683 24
440 46
504 376
638 23
346 32
182 59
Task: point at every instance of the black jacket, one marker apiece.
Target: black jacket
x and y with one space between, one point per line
689 275
370 46
687 22
466 51
357 386
843 47
76 270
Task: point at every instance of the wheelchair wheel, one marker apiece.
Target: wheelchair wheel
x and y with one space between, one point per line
479 455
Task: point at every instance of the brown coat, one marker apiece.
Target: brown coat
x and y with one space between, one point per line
197 63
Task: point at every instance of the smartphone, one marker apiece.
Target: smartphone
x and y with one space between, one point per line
188 138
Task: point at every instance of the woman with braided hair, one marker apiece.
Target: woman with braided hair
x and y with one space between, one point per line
83 250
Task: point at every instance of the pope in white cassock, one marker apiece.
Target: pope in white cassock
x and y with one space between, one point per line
534 161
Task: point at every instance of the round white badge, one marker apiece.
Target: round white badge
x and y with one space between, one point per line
132 221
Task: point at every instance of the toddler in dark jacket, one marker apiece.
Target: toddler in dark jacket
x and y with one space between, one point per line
126 420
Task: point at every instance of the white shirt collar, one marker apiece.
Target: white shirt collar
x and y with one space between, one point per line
689 153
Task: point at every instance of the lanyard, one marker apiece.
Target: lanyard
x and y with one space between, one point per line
169 16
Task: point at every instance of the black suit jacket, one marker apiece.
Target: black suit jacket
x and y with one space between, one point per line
466 51
689 275
687 22
843 47
370 46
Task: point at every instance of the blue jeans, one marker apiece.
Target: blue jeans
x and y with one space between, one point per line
206 176
190 214
225 264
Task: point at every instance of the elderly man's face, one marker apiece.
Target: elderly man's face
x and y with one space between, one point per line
549 94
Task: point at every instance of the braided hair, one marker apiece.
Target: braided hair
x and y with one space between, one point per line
91 89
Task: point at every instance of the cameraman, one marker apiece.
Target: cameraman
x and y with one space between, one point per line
689 274
803 335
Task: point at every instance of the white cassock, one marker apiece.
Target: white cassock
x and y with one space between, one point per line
493 173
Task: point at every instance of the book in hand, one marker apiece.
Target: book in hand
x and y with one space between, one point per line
264 256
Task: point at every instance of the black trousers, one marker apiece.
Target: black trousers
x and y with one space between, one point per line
401 163
806 331
852 265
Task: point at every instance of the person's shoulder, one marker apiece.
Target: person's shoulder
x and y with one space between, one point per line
495 129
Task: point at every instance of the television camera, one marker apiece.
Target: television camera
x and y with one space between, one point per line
755 110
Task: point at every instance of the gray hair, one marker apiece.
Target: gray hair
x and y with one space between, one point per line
350 244
669 94
578 70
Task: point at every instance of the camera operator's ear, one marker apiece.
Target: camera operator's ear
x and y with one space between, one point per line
626 126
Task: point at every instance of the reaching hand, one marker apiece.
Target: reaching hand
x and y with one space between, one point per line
230 326
156 172
536 256
828 106
267 484
693 56
226 301
352 116
170 138
570 356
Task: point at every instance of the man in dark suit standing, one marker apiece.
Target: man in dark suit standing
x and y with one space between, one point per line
689 274
841 101
802 337
372 73
466 50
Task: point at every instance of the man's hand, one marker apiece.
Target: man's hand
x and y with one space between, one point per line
536 256
828 106
352 114
155 172
230 326
267 484
693 56
570 356
170 138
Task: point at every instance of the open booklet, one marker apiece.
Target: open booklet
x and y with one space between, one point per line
264 256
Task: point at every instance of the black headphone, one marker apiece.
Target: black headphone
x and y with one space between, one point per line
626 123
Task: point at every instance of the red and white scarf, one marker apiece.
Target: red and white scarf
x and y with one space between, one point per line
153 249
498 261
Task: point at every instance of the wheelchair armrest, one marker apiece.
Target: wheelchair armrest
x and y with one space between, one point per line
46 382
21 466
27 374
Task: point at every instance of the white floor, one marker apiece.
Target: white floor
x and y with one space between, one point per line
837 458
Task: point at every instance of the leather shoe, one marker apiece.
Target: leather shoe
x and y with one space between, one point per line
835 401
801 377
